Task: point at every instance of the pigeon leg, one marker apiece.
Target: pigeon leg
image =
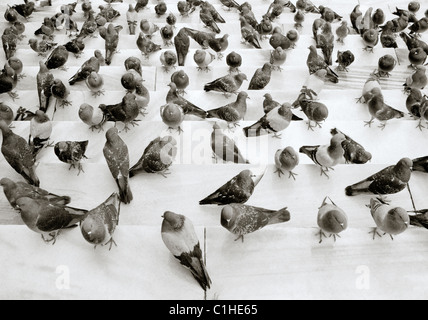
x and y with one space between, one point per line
382 125
321 234
111 242
240 237
420 126
22 76
369 49
98 93
179 130
374 231
277 135
334 235
292 175
181 92
324 172
369 123
13 95
63 68
279 171
220 56
164 173
53 236
65 103
167 43
310 126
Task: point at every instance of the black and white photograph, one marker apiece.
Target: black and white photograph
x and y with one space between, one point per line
213 150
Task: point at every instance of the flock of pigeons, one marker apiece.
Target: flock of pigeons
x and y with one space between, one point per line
47 213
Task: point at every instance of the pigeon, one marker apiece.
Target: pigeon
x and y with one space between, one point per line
417 56
108 13
131 19
329 15
307 6
208 20
417 80
6 113
398 12
188 107
317 26
181 80
168 59
206 5
184 8
315 111
100 223
40 132
420 219
58 58
60 92
179 236
41 47
378 18
344 59
388 38
130 80
135 64
161 8
89 27
148 27
278 39
142 97
355 17
249 34
293 36
420 164
414 102
227 84
380 110
201 37
412 42
342 32
95 83
141 4
93 118
230 4
8 81
157 157
203 59
111 38
234 61
299 18
237 190
20 189
366 23
71 152
265 27
331 219
17 66
248 15
325 41
45 81
275 121
219 45
11 15
422 111
47 28
371 83
389 219
286 160
167 33
389 180
9 40
91 65
173 116
224 147
182 44
414 6
386 64
18 154
277 58
370 39
117 157
326 156
419 26
125 111
315 62
241 219
46 218
233 112
171 20
353 151
75 46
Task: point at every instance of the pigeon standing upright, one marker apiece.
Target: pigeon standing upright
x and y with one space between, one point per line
45 80
157 157
224 147
389 219
18 154
286 160
95 83
331 219
100 223
203 59
111 38
125 111
182 44
40 132
117 157
131 19
178 235
234 61
261 77
91 65
233 112
58 58
181 80
94 118
71 152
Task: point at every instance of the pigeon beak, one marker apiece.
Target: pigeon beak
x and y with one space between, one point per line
258 174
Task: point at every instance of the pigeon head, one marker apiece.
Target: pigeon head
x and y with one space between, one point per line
362 156
92 231
6 183
40 116
86 111
242 76
403 169
227 216
173 86
335 221
172 112
172 221
112 134
145 25
397 219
